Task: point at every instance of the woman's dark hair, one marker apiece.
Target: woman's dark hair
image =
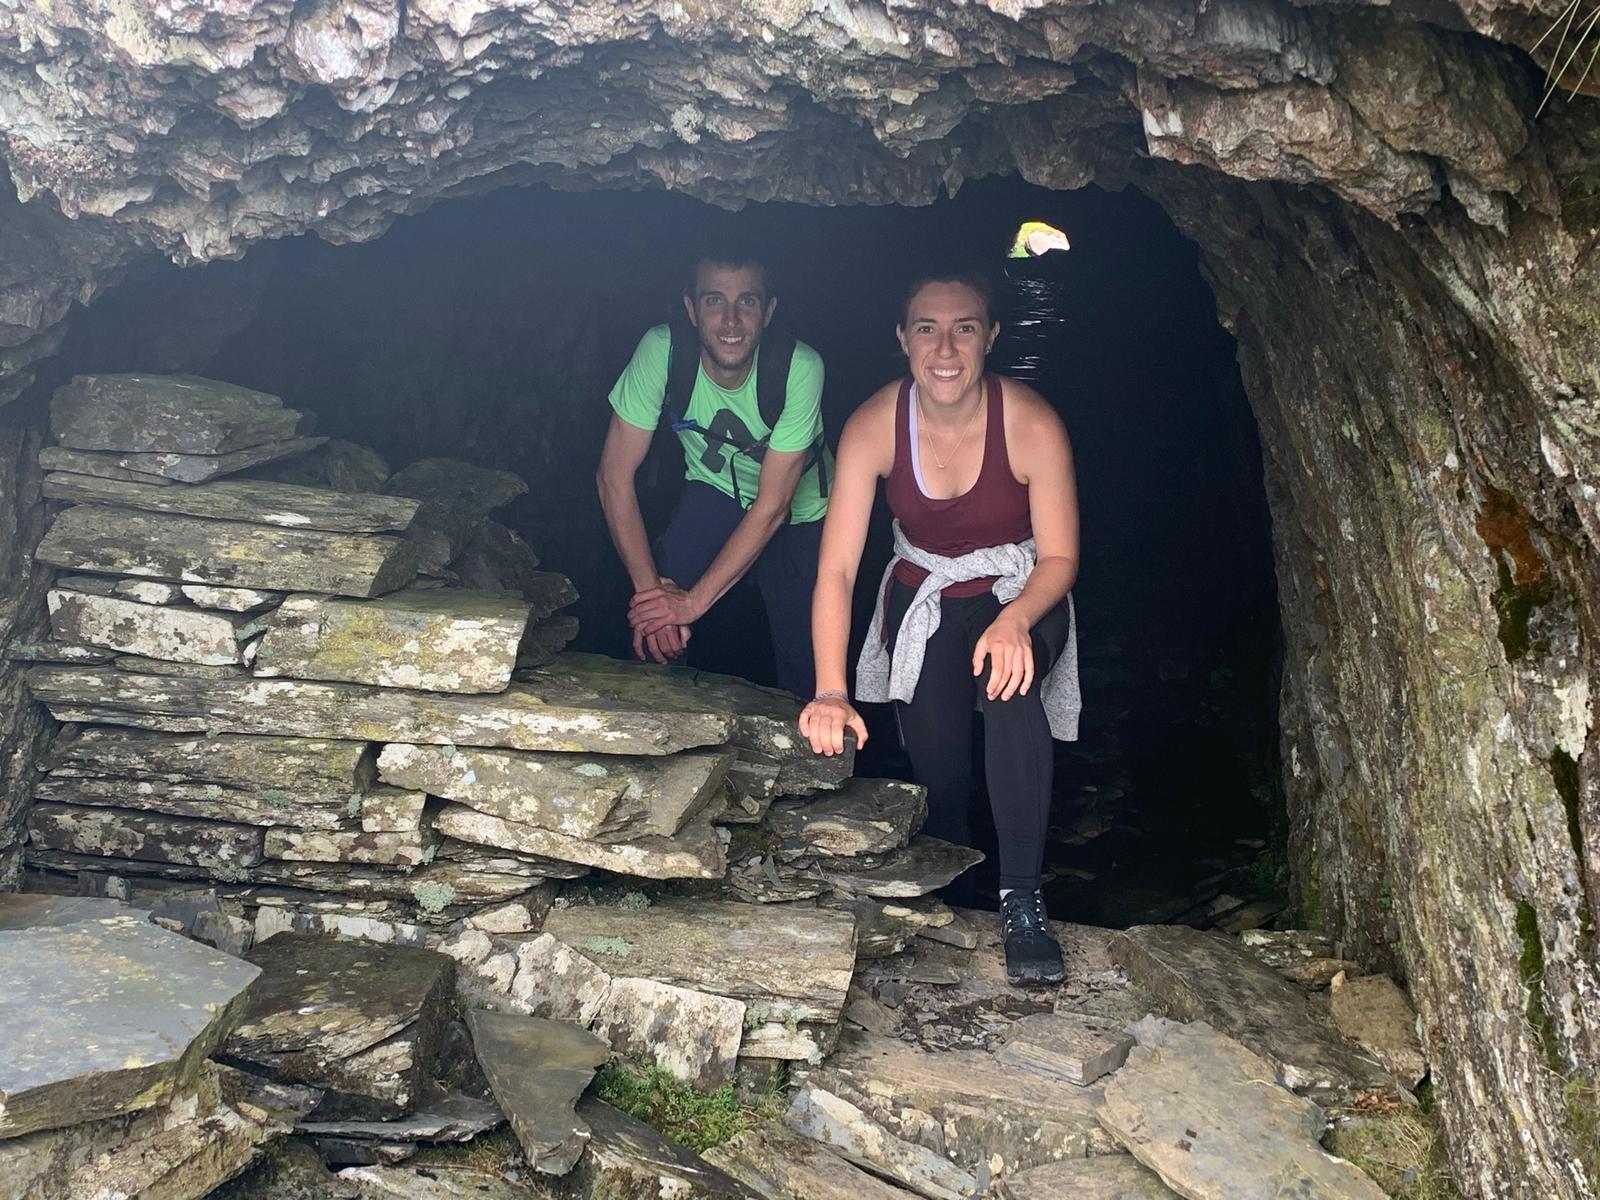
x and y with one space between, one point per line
975 278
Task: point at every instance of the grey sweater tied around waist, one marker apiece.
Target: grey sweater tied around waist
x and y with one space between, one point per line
878 678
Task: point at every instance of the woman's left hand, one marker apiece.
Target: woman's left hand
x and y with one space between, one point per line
1008 644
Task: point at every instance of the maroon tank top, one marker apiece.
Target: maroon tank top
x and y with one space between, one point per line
993 512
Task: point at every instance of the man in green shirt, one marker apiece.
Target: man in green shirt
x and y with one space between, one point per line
755 493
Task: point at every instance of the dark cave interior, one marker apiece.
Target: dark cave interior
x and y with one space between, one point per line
490 329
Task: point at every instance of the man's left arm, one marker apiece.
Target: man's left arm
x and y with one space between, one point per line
798 427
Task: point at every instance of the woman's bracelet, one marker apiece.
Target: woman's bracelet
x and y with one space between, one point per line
831 696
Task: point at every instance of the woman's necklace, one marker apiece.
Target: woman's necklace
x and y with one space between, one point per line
927 432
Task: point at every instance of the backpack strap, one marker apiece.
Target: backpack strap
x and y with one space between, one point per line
772 374
683 364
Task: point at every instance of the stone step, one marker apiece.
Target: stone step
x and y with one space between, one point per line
125 541
255 501
436 640
182 414
527 716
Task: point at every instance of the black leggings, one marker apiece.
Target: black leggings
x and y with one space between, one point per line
937 728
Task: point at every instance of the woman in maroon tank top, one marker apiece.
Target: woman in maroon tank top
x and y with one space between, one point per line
978 473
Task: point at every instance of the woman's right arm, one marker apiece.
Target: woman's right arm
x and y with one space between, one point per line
863 459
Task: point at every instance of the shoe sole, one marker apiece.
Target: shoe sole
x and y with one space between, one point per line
1020 980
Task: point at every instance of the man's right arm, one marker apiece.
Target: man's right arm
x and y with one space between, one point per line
625 449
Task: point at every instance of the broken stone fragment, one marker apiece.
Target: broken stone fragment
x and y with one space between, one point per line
362 1021
147 591
169 632
924 865
456 496
605 797
1375 1013
103 1014
1206 1115
169 468
150 545
441 1117
1210 977
1065 1046
864 816
442 640
524 717
338 465
545 640
778 1164
243 500
696 852
693 1036
537 1070
122 833
824 1117
230 599
627 1158
555 981
392 810
181 414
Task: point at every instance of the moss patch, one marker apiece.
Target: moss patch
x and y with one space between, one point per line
1580 1102
1402 1152
1531 971
694 1119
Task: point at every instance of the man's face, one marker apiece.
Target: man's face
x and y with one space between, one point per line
730 309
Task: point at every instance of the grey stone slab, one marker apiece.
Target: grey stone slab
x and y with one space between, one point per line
864 816
1107 1177
603 797
146 591
19 910
983 1107
361 1021
175 633
627 1158
140 665
1205 1114
410 848
104 1016
924 865
451 1117
833 1121
387 809
58 652
456 496
1210 977
545 640
789 964
178 413
1374 1013
264 806
779 1164
696 852
524 717
692 1035
437 640
316 768
337 464
153 837
386 1181
230 599
258 501
537 1070
171 467
150 545
554 980
1065 1046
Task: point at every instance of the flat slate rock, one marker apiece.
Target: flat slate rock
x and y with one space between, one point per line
1106 1177
1202 1112
230 599
104 1015
1373 1012
380 1181
833 1121
170 467
153 837
360 1020
264 806
778 1164
984 1107
1065 1046
524 717
310 767
627 1158
694 853
864 816
175 633
603 797
1210 977
437 640
263 503
408 848
451 1117
537 1070
693 1036
337 464
121 541
924 865
181 413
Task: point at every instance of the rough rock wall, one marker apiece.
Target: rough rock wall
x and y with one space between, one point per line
1427 402
1417 323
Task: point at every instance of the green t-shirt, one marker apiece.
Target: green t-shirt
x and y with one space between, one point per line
640 392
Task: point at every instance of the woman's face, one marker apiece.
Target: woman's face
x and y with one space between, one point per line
946 334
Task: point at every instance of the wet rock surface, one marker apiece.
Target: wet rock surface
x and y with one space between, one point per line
537 1070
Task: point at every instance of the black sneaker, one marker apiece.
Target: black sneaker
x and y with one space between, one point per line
1032 953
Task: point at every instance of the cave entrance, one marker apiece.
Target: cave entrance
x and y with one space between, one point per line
490 330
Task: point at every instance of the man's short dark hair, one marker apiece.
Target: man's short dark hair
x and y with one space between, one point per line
728 253
965 274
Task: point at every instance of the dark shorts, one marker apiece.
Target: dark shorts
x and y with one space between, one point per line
785 573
